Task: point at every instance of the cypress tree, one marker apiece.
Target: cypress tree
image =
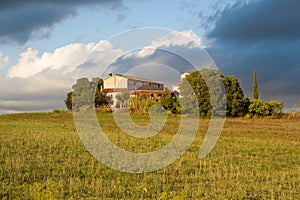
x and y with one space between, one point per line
255 87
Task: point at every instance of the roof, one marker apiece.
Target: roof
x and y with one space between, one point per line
137 79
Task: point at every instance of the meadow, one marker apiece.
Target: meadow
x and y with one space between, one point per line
42 157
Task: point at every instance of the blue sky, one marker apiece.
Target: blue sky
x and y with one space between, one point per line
241 37
91 24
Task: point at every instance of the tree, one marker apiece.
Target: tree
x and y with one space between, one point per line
100 99
255 87
201 91
68 101
86 94
245 105
190 94
236 103
83 94
98 82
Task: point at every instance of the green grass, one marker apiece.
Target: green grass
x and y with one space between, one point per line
42 157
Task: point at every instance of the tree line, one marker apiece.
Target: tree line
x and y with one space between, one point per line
89 93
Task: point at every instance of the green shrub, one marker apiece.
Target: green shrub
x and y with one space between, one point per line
270 108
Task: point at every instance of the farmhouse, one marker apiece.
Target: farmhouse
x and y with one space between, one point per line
118 83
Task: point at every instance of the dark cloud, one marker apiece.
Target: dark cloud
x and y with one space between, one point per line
22 20
261 19
262 36
168 60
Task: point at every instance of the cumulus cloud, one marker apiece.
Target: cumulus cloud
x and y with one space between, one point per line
22 20
3 60
260 36
187 39
30 63
40 82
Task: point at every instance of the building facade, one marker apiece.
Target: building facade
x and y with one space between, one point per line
118 83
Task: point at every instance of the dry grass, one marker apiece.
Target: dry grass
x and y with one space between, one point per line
42 157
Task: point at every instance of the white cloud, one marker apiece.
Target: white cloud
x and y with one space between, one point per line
30 63
41 82
68 57
3 60
187 39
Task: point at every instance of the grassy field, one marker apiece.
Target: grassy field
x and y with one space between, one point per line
42 157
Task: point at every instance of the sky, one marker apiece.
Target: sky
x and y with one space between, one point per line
43 44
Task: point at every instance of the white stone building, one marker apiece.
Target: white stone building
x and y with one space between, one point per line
118 83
